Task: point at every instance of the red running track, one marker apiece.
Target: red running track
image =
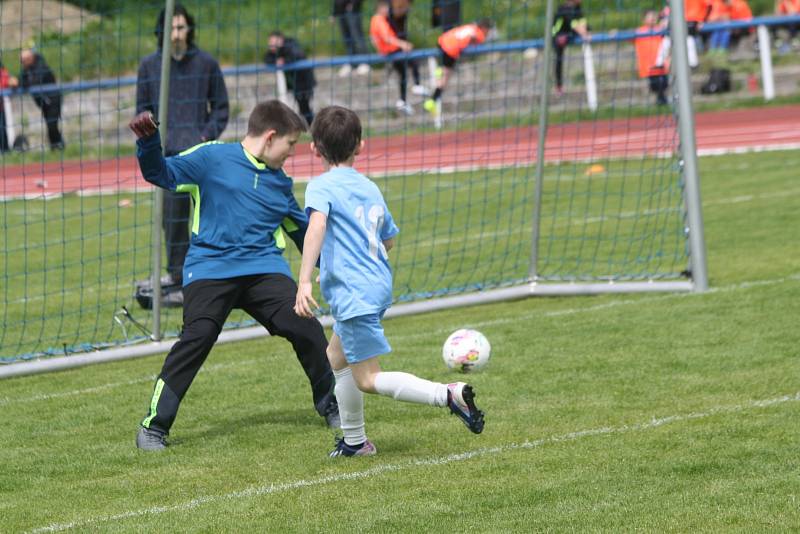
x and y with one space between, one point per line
717 132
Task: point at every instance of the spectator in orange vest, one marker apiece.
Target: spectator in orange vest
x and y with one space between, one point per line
720 39
451 44
695 13
647 53
6 81
739 10
387 43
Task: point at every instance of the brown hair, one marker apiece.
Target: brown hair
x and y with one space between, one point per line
336 133
274 115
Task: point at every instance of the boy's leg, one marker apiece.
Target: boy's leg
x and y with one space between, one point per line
412 63
458 396
398 385
207 305
363 340
303 98
349 397
4 141
52 114
559 66
270 301
347 36
356 32
400 68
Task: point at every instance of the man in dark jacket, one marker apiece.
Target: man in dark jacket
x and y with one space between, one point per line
284 51
36 71
198 112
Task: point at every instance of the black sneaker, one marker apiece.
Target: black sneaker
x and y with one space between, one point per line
461 400
362 449
332 415
150 439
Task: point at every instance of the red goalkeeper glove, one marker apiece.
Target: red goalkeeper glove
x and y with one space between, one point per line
143 124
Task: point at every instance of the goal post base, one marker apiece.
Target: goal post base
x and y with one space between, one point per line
399 310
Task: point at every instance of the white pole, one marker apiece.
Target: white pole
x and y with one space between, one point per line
432 77
280 77
11 134
765 52
688 147
588 73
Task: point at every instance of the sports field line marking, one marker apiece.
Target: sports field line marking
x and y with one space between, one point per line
440 331
270 489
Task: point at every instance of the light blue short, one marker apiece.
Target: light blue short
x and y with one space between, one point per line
362 337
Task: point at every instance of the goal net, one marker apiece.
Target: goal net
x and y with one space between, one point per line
476 208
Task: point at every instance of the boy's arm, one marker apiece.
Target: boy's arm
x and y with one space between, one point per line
388 244
155 168
312 247
295 223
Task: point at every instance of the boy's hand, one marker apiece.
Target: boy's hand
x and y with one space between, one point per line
305 300
143 124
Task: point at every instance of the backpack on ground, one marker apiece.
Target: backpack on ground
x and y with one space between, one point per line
719 81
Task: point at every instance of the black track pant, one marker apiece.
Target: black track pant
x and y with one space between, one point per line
51 111
303 99
400 66
559 46
177 208
269 299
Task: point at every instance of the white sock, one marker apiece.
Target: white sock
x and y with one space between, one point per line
351 407
409 388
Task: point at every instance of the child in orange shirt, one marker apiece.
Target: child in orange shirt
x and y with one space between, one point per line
386 42
647 51
451 44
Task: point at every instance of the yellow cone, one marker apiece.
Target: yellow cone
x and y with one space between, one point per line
594 169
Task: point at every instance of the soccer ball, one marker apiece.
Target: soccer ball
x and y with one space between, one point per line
466 350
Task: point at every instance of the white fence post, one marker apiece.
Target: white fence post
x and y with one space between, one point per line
588 73
280 78
765 53
11 133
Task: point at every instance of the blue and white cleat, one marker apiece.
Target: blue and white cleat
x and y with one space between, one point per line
343 449
461 400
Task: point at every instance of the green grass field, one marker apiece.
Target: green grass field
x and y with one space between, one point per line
657 413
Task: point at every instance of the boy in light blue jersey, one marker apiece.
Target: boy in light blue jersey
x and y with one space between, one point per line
350 231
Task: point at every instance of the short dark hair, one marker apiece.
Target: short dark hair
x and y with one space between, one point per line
336 132
274 115
177 10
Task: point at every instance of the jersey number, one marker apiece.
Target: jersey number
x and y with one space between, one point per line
372 224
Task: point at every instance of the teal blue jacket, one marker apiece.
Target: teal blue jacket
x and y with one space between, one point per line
243 210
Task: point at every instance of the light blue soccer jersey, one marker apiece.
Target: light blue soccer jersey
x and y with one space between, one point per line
355 275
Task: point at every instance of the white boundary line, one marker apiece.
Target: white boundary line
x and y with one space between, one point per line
270 489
